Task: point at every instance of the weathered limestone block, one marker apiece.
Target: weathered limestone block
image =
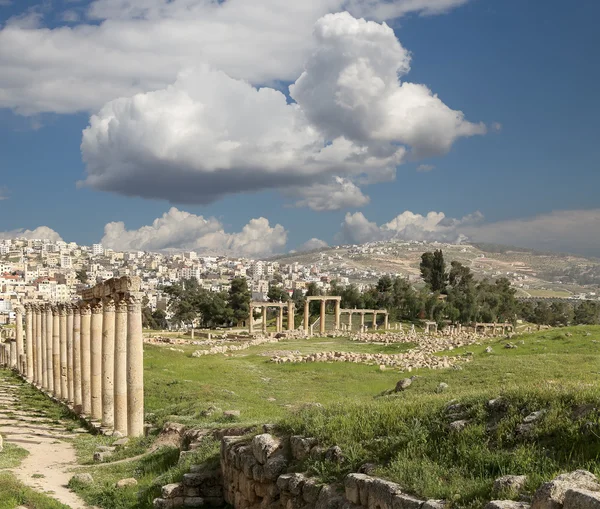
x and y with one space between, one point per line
552 494
310 491
356 488
382 494
434 504
162 503
301 446
264 446
403 501
581 499
193 502
296 483
172 490
191 492
329 498
506 504
125 483
513 483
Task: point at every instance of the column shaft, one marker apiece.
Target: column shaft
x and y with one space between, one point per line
120 401
29 320
349 322
251 320
57 391
135 369
49 344
64 382
86 362
280 320
337 315
306 316
290 319
70 382
12 348
19 338
77 360
264 319
38 351
96 360
322 320
108 363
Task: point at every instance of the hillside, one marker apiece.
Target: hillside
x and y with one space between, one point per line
536 274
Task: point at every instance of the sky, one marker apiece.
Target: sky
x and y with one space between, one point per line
257 127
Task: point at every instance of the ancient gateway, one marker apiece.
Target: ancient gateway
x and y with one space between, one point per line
88 355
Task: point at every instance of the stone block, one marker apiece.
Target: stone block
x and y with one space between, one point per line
403 501
162 503
382 494
581 499
434 504
191 492
125 483
193 502
283 481
172 490
514 483
552 494
296 483
178 501
506 504
301 446
310 491
352 487
264 446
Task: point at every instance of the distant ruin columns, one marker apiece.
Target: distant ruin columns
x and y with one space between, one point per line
291 314
49 379
29 339
306 317
38 351
86 359
264 320
70 382
120 382
350 321
108 362
362 322
322 319
251 320
280 320
337 315
64 384
96 359
19 337
135 368
76 359
386 321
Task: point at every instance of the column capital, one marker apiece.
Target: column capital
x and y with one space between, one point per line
109 304
121 305
28 306
62 311
85 308
75 309
96 307
134 301
69 308
18 309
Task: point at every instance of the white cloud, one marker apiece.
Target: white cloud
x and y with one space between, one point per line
3 193
340 193
311 245
209 135
435 226
180 230
39 233
424 168
131 46
569 231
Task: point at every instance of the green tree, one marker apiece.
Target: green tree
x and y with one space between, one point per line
239 299
433 270
276 293
82 276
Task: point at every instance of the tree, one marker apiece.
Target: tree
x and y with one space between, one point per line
276 293
433 270
82 276
239 299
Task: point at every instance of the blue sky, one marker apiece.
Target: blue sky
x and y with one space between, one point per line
527 69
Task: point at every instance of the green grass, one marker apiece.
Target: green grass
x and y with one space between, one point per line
13 494
11 456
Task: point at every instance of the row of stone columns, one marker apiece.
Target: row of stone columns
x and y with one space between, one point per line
279 323
362 313
323 301
89 355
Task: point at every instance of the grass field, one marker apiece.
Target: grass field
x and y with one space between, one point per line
408 434
549 293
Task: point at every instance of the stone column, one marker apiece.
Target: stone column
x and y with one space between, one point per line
38 351
291 314
322 320
64 382
76 359
350 321
337 314
12 348
108 363
362 322
280 320
251 320
386 320
135 368
29 320
96 360
19 336
86 362
306 316
70 359
57 391
374 320
264 319
120 394
49 344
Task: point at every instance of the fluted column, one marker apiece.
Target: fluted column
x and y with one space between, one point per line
108 363
56 352
19 336
96 360
120 402
76 359
86 362
38 351
306 316
29 320
70 383
251 320
62 339
49 347
322 318
135 368
290 319
337 315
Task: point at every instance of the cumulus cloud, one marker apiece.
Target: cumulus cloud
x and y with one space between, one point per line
339 194
435 226
569 231
131 46
209 134
312 244
178 230
39 233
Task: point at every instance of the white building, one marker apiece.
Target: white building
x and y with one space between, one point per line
97 250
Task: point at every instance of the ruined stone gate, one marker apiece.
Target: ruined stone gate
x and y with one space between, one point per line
88 355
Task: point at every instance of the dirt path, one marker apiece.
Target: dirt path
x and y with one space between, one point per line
47 468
